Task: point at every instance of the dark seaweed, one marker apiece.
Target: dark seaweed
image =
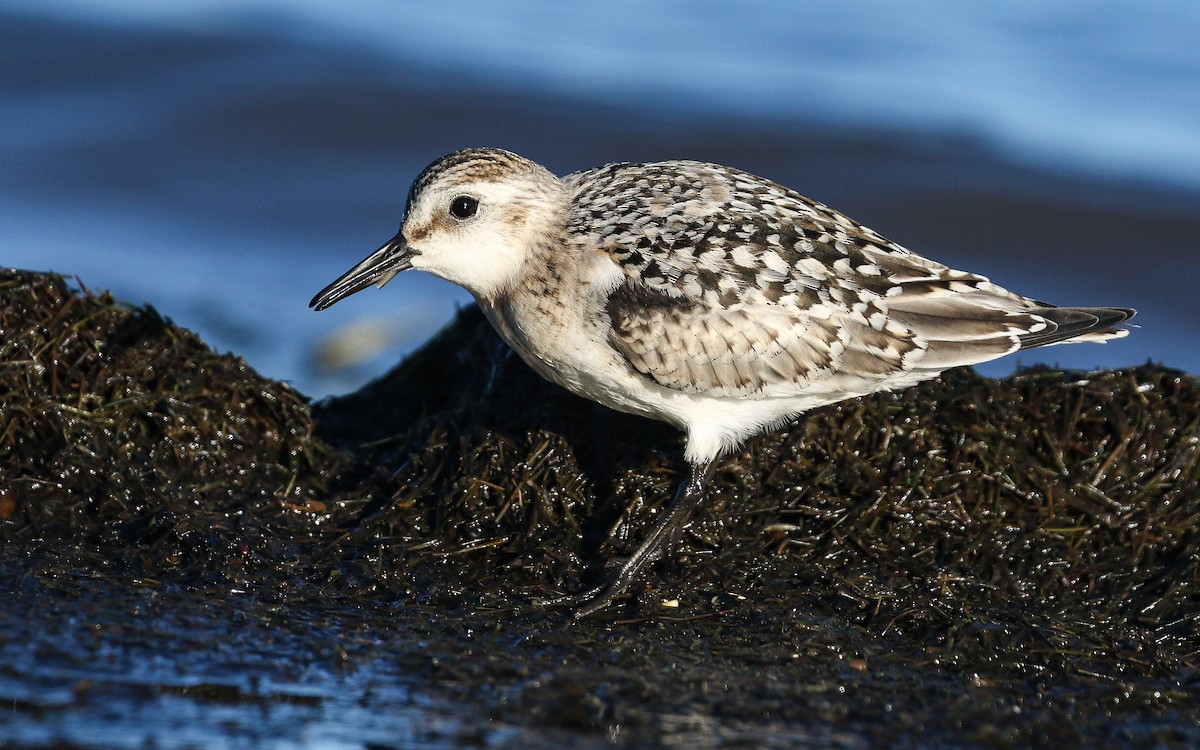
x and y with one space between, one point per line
969 563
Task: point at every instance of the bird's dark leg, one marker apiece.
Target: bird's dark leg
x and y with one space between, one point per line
691 493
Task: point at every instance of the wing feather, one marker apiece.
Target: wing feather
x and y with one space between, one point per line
736 286
745 351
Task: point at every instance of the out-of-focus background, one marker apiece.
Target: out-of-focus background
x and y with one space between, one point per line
225 159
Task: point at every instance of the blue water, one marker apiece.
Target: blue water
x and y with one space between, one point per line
224 160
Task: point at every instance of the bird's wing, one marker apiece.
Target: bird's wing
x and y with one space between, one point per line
734 285
751 350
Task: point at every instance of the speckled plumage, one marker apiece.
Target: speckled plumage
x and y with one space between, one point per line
740 287
700 295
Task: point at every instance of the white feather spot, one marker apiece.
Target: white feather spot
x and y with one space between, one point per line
710 260
771 260
742 256
813 269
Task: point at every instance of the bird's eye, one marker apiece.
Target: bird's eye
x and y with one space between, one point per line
463 207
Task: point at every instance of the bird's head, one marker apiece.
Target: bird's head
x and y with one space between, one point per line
473 217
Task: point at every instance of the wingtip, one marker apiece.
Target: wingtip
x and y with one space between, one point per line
1080 325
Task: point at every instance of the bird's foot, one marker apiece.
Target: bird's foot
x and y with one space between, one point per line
690 494
586 602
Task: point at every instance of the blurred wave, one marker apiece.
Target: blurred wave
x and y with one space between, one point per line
224 160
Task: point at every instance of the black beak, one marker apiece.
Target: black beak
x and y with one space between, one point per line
377 268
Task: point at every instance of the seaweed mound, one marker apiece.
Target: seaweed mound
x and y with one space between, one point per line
129 446
1046 520
1031 541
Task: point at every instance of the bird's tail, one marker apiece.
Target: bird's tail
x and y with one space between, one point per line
1069 325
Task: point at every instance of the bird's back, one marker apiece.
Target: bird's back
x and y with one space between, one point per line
735 286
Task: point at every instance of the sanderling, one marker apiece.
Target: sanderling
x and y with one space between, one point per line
709 298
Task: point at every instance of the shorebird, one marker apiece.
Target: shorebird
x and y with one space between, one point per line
720 302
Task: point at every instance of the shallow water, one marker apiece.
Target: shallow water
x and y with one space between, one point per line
173 669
